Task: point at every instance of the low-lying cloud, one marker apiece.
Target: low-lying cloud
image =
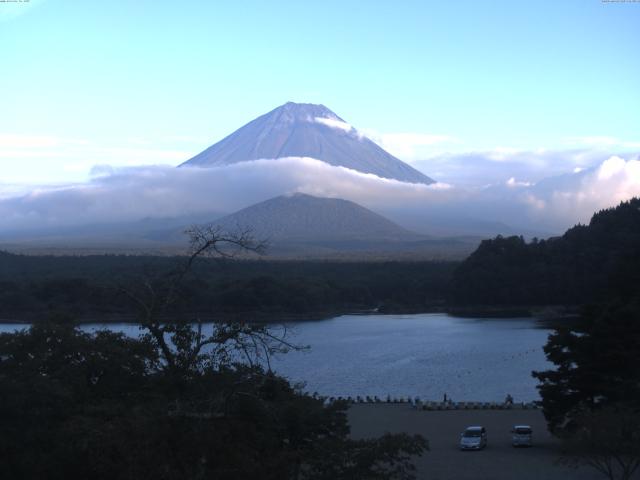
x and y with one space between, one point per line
473 169
130 194
575 197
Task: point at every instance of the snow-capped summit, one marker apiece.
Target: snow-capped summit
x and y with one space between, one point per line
306 130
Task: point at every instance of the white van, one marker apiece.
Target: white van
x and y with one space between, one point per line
521 436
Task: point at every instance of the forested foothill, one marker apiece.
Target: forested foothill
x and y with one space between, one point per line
589 263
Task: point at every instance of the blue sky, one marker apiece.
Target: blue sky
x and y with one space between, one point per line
128 83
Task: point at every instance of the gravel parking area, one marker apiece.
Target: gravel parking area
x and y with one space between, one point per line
445 461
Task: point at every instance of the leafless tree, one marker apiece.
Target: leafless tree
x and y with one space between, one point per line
184 346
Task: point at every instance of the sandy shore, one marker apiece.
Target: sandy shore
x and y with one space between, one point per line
445 461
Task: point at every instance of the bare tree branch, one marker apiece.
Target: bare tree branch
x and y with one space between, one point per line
182 346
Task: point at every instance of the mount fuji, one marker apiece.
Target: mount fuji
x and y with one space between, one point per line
306 130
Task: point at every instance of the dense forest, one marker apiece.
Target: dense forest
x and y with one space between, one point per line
589 263
91 287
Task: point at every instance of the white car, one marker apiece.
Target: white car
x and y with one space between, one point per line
473 438
521 436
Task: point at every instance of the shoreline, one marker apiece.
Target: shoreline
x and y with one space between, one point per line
549 315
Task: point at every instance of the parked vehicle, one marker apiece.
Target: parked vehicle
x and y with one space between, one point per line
473 438
521 436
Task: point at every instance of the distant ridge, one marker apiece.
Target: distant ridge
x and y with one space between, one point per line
301 217
306 130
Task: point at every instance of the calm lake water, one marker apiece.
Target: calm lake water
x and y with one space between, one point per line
424 355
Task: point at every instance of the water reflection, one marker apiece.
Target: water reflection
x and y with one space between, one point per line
423 355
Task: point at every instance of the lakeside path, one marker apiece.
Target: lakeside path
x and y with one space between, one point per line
446 462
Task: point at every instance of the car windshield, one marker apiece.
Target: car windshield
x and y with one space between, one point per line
472 433
523 430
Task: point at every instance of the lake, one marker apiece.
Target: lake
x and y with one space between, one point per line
424 355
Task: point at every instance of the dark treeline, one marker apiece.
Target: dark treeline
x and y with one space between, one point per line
90 286
589 263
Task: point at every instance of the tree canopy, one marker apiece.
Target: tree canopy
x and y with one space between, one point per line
588 263
596 362
591 400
